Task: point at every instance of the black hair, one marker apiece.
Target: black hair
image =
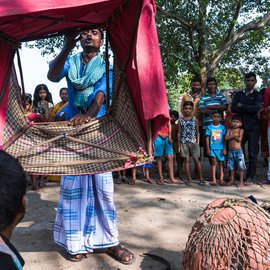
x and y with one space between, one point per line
237 117
250 74
188 103
95 27
12 189
175 113
211 79
28 99
36 94
63 88
215 111
196 79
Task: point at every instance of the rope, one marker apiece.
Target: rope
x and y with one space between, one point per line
237 239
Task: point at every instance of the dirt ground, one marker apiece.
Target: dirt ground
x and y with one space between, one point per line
152 219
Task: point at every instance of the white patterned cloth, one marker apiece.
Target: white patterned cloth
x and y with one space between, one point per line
85 76
86 218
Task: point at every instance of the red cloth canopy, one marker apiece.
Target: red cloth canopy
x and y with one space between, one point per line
127 22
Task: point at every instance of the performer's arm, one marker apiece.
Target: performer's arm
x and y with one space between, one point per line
58 63
79 119
96 105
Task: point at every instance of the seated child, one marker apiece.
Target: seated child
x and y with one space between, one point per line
236 158
216 147
188 140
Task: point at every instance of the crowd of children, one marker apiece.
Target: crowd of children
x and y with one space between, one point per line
212 125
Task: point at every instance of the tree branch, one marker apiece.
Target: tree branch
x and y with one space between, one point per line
237 36
202 33
192 43
184 23
234 19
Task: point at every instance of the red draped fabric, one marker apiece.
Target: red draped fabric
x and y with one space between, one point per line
28 20
6 56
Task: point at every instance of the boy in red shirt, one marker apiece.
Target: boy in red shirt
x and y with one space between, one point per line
163 146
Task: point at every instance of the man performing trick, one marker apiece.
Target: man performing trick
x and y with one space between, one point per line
86 218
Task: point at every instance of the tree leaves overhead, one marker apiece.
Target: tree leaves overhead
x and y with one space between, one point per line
207 37
48 46
199 36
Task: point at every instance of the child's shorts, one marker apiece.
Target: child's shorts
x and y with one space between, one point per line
147 165
217 154
236 160
190 149
162 147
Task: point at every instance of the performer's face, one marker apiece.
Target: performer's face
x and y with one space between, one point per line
91 40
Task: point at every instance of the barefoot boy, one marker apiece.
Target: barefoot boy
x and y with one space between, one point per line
236 158
216 147
163 146
188 139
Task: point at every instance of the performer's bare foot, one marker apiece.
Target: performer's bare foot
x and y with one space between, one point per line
213 183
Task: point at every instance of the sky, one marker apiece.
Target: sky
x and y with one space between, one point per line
35 68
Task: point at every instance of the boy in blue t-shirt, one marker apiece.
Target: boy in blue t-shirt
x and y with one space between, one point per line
216 147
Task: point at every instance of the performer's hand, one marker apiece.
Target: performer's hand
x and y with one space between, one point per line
71 39
79 119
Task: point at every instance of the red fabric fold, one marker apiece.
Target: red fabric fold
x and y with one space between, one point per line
27 19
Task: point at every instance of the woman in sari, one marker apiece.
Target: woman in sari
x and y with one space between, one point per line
58 112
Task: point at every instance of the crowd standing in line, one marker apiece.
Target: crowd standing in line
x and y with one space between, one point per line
218 128
193 132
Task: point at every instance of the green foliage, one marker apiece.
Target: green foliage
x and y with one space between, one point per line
192 34
176 91
48 46
229 78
